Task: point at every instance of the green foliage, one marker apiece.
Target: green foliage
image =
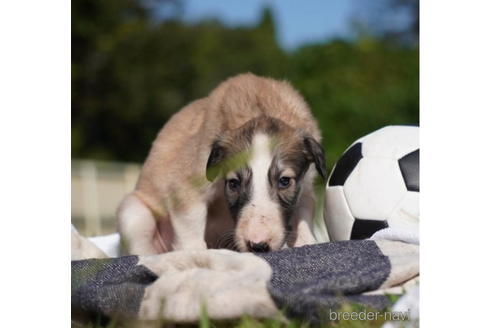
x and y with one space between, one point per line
355 88
130 73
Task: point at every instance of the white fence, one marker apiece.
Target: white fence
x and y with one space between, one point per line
97 189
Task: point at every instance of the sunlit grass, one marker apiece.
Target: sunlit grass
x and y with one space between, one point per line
247 322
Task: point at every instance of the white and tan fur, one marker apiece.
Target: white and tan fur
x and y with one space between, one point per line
175 207
261 218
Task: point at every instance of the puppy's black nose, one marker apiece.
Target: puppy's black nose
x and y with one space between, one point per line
258 247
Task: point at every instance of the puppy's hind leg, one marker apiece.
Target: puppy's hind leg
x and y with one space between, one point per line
137 227
189 226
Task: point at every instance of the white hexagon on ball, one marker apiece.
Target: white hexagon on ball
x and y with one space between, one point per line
372 190
392 141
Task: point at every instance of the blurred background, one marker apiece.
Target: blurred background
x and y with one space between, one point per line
136 62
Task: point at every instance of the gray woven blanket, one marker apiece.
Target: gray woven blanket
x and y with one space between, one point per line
305 282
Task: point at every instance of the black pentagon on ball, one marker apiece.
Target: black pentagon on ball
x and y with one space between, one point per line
409 167
363 229
346 165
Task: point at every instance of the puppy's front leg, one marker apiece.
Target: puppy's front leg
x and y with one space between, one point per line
303 221
189 226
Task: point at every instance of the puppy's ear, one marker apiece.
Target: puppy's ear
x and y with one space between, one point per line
216 156
316 154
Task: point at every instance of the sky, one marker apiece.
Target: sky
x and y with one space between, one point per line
297 22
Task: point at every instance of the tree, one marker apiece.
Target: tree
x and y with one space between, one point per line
132 70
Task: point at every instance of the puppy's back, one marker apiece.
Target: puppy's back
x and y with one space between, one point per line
246 96
176 157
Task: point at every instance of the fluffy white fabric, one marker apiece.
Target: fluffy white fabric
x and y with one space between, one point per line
404 235
109 244
410 300
230 284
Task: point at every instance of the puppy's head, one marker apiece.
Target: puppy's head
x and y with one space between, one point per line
263 164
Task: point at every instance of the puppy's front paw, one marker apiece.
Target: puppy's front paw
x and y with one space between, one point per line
304 241
303 237
195 245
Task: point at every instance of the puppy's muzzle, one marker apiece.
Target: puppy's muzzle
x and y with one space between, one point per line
258 247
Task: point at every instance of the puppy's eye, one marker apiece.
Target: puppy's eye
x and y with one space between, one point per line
233 184
284 182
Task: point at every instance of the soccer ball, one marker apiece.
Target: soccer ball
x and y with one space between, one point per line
375 185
